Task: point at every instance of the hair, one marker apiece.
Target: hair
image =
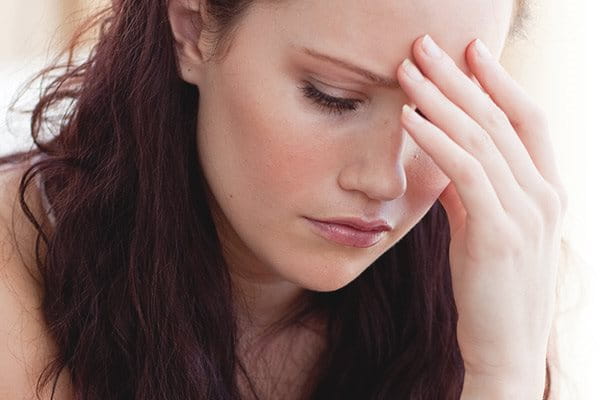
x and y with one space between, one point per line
137 295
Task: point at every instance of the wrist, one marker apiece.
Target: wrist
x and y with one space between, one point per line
495 387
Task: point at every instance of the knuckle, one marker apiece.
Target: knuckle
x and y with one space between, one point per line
469 170
511 238
526 214
535 221
552 202
502 228
480 142
496 119
510 243
534 115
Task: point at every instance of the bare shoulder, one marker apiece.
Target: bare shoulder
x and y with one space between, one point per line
25 346
17 235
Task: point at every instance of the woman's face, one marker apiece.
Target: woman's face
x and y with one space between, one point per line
273 158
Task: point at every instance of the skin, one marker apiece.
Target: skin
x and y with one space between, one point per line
272 157
278 157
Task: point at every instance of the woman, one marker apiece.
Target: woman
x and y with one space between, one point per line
191 216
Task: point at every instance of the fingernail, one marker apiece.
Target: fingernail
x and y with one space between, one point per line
412 70
430 47
482 50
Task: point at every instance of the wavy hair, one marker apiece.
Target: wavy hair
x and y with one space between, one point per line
137 295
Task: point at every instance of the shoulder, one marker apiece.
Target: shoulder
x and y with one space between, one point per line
25 346
17 235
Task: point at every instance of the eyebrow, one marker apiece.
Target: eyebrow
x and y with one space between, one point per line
376 79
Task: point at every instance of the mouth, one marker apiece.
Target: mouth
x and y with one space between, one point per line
347 235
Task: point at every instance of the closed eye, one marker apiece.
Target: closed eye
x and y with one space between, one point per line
331 104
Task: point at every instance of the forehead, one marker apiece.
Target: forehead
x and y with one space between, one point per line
381 32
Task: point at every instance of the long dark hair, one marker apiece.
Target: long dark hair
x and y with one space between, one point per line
136 291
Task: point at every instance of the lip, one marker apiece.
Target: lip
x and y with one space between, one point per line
368 235
360 224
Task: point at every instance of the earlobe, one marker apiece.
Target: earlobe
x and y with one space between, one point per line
186 26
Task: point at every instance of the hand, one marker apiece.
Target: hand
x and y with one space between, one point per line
505 205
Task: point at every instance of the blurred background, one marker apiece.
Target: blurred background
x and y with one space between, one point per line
557 63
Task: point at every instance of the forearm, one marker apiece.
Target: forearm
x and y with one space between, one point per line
494 388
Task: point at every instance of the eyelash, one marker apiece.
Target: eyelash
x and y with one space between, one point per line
331 104
337 105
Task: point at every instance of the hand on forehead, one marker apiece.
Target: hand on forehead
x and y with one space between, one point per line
379 34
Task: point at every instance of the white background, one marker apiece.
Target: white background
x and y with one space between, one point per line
558 65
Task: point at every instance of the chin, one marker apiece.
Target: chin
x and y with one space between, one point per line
329 278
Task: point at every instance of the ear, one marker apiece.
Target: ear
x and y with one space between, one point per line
187 18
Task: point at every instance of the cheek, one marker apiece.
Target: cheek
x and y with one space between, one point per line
425 182
263 150
424 173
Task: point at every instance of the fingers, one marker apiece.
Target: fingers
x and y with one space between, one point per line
470 137
476 192
480 107
526 116
477 122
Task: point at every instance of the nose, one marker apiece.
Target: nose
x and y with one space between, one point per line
375 167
